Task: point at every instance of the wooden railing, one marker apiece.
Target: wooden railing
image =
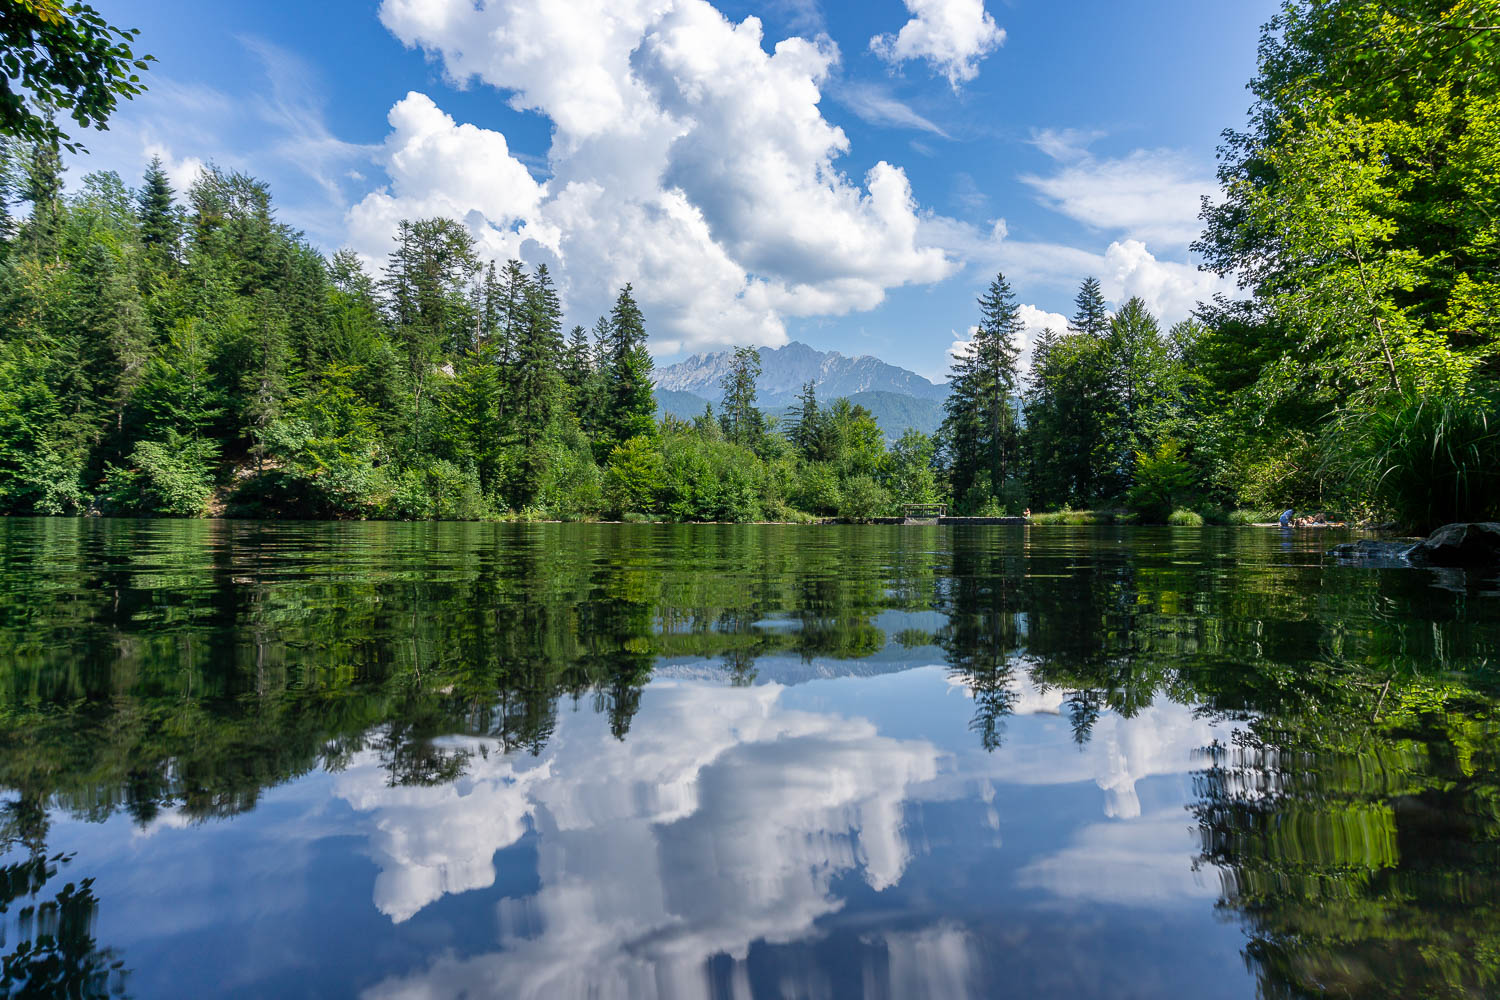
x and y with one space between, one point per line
921 510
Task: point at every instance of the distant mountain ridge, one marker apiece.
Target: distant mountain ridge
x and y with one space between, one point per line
784 370
898 398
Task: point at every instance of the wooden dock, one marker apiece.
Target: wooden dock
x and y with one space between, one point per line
937 513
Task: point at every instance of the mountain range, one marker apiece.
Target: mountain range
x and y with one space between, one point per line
898 398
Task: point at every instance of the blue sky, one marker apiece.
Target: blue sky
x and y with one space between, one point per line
848 174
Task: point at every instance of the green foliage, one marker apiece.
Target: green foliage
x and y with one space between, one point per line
1360 207
1185 519
908 469
981 430
739 418
1069 412
570 487
39 472
173 477
437 490
1431 460
63 57
710 480
862 499
818 490
1078 517
1163 479
633 476
630 407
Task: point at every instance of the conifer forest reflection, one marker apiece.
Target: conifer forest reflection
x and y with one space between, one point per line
402 760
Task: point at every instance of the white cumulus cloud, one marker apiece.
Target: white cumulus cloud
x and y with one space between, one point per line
727 818
685 158
1170 288
1148 194
951 35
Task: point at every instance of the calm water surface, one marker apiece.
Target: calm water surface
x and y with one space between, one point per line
382 760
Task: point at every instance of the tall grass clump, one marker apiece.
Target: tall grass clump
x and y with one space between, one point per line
1185 519
1427 459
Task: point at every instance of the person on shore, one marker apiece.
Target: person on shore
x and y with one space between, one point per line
1026 513
1286 517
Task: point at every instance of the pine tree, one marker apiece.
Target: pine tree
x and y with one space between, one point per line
161 222
116 344
1090 317
488 308
631 403
980 429
578 373
42 186
741 420
536 381
806 422
425 286
1139 355
509 307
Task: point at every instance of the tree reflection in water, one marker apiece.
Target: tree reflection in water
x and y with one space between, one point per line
1354 816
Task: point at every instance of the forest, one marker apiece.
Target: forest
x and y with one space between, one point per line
186 354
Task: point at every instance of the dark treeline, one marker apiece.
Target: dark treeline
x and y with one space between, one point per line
174 359
1360 212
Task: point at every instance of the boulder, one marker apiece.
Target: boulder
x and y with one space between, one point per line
1476 544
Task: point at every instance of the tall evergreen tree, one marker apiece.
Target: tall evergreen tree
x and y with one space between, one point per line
804 429
508 295
741 420
630 401
425 286
578 362
980 429
113 325
160 220
536 383
1139 378
1090 317
42 186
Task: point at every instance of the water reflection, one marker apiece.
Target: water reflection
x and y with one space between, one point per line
625 740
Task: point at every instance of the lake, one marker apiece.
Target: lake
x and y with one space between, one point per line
621 761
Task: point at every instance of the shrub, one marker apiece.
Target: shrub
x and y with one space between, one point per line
1162 478
818 490
172 478
1185 519
633 476
571 486
1083 517
863 499
438 490
1429 459
704 479
991 508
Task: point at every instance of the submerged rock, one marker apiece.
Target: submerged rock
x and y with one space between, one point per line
1368 551
1476 544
